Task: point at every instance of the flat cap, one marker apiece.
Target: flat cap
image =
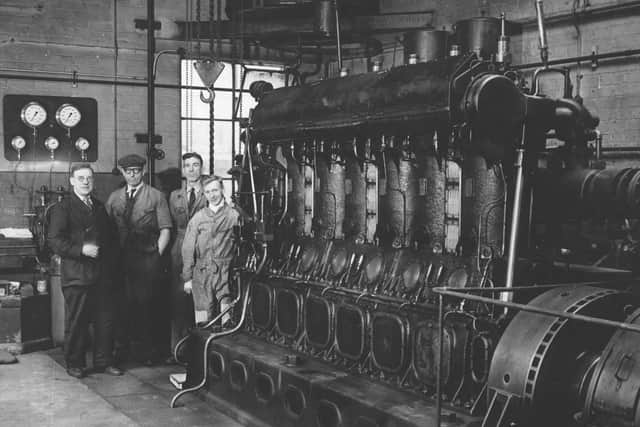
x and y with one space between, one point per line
131 160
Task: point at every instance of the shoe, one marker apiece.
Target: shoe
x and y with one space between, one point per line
109 370
75 372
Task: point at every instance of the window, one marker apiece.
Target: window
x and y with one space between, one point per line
195 114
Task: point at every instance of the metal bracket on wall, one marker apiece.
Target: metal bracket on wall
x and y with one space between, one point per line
141 138
141 24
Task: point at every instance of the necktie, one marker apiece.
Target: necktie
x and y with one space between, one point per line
192 198
128 208
87 201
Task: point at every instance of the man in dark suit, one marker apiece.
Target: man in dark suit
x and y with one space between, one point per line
81 233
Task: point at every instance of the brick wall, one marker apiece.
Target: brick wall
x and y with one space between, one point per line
48 38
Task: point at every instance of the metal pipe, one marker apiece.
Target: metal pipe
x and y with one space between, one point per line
251 177
439 364
542 33
213 336
207 343
286 197
515 223
180 52
538 310
71 79
339 45
573 59
151 100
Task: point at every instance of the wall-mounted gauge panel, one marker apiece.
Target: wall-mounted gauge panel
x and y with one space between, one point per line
36 118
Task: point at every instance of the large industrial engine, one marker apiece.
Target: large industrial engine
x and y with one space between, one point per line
411 254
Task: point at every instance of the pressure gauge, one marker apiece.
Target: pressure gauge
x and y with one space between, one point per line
68 116
51 143
18 143
82 144
33 114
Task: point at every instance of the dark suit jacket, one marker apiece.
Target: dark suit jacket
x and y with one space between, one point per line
72 223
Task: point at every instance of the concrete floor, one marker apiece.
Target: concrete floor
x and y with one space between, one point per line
38 392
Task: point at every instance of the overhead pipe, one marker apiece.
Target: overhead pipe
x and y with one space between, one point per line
151 99
594 58
338 44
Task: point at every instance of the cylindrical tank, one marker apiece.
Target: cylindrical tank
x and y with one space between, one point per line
432 184
296 195
428 45
483 201
355 202
324 17
479 35
587 193
330 199
399 203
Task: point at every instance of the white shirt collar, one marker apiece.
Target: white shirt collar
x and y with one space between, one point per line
135 189
217 207
83 198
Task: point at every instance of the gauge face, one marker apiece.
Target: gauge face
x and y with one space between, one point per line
68 116
51 143
18 143
82 144
33 114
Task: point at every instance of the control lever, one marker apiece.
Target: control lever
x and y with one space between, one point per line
288 260
345 276
424 283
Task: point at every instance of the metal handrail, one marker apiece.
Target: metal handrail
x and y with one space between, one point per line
216 335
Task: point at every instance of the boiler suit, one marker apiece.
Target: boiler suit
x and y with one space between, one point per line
207 252
181 306
139 223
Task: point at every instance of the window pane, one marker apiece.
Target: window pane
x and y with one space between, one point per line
195 137
192 106
222 148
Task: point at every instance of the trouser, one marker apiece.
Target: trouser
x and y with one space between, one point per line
104 325
141 273
182 317
77 300
84 304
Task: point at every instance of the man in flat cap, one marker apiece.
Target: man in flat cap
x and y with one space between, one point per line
141 213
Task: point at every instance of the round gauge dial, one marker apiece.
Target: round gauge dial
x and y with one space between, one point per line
33 114
51 143
82 144
18 143
68 116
